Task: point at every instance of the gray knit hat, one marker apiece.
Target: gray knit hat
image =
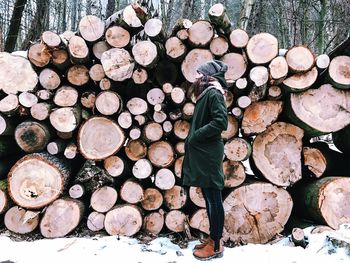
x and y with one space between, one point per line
214 68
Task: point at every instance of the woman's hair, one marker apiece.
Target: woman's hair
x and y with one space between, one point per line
201 84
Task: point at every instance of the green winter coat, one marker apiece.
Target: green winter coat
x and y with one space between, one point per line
204 148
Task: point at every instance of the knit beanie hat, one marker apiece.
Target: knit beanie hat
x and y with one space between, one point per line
214 68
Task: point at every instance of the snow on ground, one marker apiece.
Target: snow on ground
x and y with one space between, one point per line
112 249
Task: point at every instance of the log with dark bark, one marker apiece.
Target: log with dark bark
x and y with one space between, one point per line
37 179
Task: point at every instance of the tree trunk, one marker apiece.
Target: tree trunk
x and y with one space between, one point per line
238 38
95 221
117 64
103 199
234 173
237 66
91 28
175 221
131 192
200 34
301 81
164 179
193 60
21 221
218 17
338 72
247 6
262 48
153 223
15 24
197 197
161 154
175 198
237 149
300 59
152 199
199 220
108 102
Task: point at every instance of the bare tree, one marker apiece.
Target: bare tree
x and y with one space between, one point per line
73 18
110 8
14 25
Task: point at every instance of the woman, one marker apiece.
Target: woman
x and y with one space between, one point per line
204 150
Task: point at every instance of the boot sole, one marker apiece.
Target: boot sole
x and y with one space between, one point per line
216 255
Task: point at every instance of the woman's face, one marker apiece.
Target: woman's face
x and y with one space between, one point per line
198 75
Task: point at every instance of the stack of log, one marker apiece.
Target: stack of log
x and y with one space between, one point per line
93 126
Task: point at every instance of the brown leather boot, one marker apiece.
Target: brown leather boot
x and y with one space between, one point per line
207 252
202 244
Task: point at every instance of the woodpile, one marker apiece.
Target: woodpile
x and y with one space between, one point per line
93 126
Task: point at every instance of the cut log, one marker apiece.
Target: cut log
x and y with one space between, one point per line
56 146
105 84
232 128
200 34
321 110
103 199
298 237
181 129
322 62
71 150
115 166
140 76
182 34
278 69
199 220
91 28
239 38
234 173
99 48
44 94
175 49
145 53
339 72
92 177
61 218
27 99
10 68
130 19
301 81
218 16
21 221
175 198
135 133
300 59
178 166
51 39
218 46
155 96
96 72
95 221
152 199
142 169
178 96
78 50
37 179
117 36
107 136
123 220
255 213
259 115
152 132
136 150
175 221
262 48
141 119
237 149
88 99
159 116
180 24
180 148
237 113
137 106
32 136
131 192
161 154
164 179
167 88
60 59
39 55
108 102
49 79
153 223
66 96
315 161
167 127
154 29
4 201
117 64
6 126
237 66
65 119
324 200
193 60
274 93
277 153
76 191
187 110
259 75
78 75
9 105
197 197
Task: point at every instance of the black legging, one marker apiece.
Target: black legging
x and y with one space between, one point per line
216 215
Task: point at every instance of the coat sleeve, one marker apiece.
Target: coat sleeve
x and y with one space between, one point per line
218 122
